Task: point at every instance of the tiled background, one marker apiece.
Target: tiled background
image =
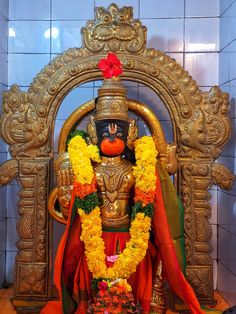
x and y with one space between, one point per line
227 199
200 35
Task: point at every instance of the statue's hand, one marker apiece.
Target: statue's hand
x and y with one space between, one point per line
65 180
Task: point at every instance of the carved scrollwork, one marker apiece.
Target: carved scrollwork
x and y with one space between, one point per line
23 125
199 121
114 30
222 176
8 171
195 181
32 279
209 128
201 280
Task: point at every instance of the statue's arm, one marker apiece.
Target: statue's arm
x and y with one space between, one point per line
65 180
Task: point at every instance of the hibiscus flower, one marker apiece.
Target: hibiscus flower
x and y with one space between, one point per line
111 66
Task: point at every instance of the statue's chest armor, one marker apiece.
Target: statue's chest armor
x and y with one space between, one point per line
114 182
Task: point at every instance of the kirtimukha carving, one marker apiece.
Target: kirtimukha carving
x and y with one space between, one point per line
201 129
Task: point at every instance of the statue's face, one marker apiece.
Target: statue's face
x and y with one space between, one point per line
112 136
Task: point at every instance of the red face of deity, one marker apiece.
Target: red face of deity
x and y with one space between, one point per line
112 136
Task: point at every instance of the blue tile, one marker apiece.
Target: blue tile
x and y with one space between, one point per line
3 201
73 100
228 22
12 199
10 264
168 131
3 146
202 8
214 206
2 269
203 67
226 208
18 64
12 236
66 35
3 67
57 130
2 89
227 252
224 69
74 10
165 34
225 5
161 8
3 227
3 35
4 8
196 39
29 36
150 98
213 241
29 10
232 56
232 97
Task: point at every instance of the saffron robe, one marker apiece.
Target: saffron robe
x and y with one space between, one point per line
73 279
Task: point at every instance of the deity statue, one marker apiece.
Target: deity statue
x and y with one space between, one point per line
113 192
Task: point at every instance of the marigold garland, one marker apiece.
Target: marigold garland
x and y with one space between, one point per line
80 156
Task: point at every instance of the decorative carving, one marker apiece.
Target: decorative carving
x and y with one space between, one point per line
222 176
200 279
200 124
209 128
114 30
8 171
32 210
23 125
32 279
158 304
195 181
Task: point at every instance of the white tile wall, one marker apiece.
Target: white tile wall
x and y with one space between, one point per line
22 68
177 27
3 146
29 10
29 37
161 9
201 8
226 199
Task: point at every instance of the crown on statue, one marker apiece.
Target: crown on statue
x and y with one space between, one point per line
112 96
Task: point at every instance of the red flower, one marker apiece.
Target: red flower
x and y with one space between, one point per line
102 286
111 66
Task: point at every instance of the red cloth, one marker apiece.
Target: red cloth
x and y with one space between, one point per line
71 269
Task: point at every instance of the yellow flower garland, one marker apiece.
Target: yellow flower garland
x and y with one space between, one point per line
80 155
91 235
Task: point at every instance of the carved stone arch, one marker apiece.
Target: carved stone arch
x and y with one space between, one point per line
201 128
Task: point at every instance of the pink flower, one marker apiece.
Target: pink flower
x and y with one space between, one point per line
112 258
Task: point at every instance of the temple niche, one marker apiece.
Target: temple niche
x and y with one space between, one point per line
188 146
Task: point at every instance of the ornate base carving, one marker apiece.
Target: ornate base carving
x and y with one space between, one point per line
158 304
201 279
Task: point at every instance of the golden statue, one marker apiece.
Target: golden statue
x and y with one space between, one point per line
117 232
201 127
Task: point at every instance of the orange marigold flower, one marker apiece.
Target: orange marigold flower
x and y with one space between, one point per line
144 197
82 190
